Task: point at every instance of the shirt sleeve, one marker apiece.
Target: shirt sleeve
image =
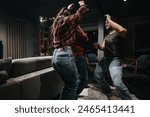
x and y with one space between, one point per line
77 17
81 33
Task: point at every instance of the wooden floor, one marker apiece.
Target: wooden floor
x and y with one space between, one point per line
93 92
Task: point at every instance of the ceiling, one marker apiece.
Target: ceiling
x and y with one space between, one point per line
32 9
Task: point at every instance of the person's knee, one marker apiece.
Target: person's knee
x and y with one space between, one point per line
117 80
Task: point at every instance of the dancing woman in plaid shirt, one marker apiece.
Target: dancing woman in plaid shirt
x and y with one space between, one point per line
63 29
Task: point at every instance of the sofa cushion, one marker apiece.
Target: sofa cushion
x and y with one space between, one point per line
43 62
28 65
10 90
3 76
5 64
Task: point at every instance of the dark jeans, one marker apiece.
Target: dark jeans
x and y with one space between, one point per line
63 63
82 71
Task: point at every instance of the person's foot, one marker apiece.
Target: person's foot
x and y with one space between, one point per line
115 93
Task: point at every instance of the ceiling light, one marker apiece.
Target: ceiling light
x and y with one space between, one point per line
125 0
43 19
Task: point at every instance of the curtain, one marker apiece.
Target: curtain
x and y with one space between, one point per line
16 38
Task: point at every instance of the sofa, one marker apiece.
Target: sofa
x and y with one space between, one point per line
30 78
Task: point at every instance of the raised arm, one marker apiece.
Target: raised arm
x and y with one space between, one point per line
79 14
116 26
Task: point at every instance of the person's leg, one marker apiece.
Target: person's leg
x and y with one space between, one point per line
99 77
116 75
63 64
83 73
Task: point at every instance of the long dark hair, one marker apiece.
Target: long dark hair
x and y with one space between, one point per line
54 25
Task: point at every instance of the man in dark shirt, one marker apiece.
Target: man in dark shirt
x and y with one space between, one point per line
111 62
63 29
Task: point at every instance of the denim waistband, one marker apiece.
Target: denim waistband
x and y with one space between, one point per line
66 49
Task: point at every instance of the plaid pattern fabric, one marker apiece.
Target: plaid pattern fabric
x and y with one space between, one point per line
67 26
81 37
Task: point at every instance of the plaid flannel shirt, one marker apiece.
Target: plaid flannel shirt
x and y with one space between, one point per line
78 47
67 26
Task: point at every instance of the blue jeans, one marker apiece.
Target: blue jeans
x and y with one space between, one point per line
113 67
82 71
63 63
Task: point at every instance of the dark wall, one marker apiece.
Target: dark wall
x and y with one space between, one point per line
93 38
138 35
142 39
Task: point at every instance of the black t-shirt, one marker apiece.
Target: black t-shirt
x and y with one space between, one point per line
113 45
